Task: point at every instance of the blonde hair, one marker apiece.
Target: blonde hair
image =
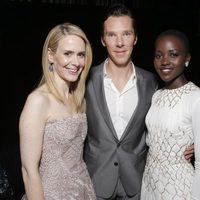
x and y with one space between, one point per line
77 88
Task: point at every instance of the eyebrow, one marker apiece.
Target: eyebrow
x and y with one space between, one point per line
130 31
71 51
168 50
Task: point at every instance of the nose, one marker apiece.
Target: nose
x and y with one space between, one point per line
75 60
165 60
120 41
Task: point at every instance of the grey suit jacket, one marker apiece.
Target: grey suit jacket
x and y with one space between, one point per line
108 158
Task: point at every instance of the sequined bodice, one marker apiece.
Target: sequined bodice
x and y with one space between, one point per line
62 168
63 142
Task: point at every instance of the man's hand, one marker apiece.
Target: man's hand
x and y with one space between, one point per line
189 152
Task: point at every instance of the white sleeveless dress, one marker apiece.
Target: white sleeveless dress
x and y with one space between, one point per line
173 123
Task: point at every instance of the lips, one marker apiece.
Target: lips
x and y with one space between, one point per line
73 71
120 53
166 70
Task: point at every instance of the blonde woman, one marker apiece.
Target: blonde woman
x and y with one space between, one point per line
53 123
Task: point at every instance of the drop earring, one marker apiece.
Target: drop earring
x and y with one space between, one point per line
186 63
50 66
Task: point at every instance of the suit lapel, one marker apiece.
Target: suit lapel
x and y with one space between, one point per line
138 108
101 99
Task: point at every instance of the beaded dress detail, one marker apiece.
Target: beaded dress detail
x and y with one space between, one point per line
63 171
167 175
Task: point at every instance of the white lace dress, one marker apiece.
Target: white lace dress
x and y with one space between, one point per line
173 123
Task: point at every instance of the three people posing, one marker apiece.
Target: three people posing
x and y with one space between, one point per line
53 123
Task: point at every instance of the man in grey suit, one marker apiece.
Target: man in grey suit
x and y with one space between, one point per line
118 96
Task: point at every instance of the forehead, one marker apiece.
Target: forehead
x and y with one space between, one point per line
71 42
170 41
117 23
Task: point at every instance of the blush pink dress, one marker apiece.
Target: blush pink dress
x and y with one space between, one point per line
63 171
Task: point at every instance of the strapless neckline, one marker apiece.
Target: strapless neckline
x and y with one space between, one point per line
64 118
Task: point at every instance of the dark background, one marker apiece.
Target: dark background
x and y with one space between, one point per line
23 29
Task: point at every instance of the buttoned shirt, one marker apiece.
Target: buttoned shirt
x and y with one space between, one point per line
121 105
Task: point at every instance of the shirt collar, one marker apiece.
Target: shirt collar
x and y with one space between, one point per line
133 76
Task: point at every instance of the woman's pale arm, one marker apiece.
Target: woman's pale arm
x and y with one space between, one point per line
31 128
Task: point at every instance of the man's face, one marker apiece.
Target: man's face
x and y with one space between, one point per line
119 38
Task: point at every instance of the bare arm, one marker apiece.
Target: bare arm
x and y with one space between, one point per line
31 127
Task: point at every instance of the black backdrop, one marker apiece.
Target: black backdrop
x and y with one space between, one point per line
24 26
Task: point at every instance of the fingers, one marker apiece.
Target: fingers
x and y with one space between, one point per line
191 152
188 157
190 148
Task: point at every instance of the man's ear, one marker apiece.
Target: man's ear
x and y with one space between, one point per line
103 42
136 39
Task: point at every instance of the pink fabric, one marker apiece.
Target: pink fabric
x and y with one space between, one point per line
63 172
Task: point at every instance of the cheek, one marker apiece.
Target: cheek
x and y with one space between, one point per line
156 63
180 65
110 43
130 49
82 62
130 45
62 61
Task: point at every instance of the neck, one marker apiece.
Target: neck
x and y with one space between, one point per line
177 82
119 75
120 72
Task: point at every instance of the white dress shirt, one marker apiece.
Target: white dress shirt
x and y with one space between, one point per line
121 105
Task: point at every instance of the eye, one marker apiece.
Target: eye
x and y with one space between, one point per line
173 55
110 34
157 56
127 33
68 53
81 55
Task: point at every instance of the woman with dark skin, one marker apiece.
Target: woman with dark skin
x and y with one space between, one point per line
173 125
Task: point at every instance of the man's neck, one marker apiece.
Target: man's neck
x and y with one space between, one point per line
120 75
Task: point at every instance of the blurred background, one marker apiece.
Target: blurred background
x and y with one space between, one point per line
23 29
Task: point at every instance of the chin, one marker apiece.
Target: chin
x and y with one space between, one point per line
165 78
74 80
